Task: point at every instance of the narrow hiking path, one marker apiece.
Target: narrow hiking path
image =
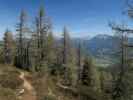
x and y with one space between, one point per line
29 92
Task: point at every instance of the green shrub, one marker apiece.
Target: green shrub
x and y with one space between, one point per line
48 97
89 93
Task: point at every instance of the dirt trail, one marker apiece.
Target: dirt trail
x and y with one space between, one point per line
29 92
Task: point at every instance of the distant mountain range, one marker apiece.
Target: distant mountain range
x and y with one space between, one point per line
101 46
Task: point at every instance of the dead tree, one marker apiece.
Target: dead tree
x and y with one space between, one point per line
121 84
43 27
21 41
66 56
79 62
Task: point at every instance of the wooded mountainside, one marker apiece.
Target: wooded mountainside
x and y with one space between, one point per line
36 63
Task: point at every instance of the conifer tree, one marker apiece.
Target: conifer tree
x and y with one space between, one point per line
8 47
66 57
21 40
43 27
51 48
122 86
79 62
90 75
118 87
86 77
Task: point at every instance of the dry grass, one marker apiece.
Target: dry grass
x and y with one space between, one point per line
46 88
41 86
7 94
9 77
9 82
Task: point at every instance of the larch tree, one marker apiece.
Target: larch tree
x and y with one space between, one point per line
90 75
65 45
122 86
118 87
66 52
86 77
51 50
22 29
89 81
8 47
79 61
43 27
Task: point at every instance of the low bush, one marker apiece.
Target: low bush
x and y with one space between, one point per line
89 93
48 97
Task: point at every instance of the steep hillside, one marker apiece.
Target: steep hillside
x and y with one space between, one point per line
17 84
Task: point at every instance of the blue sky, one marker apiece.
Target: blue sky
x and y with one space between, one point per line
82 17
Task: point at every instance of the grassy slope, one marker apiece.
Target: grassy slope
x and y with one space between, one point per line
45 86
9 82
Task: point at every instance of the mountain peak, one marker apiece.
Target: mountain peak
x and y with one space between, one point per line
102 36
